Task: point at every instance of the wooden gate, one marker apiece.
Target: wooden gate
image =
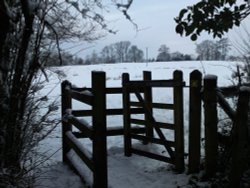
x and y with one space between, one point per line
175 149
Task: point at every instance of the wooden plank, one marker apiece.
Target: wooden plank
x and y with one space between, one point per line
80 151
116 131
78 134
137 111
115 111
148 99
240 145
135 103
137 121
120 111
169 126
152 155
225 106
154 83
179 122
163 106
229 91
81 89
100 130
135 89
154 124
152 140
74 165
82 97
82 113
86 129
194 122
158 130
211 120
113 90
66 104
126 115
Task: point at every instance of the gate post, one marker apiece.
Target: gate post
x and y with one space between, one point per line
210 116
178 120
126 115
240 139
194 121
66 103
148 100
99 130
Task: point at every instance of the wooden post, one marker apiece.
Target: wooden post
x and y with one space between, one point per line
126 115
210 115
178 121
66 103
194 121
240 139
148 100
100 130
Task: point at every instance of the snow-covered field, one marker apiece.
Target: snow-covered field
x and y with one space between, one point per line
135 171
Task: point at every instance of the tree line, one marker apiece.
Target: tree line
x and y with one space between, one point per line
125 51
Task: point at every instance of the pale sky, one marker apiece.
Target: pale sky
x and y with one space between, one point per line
155 20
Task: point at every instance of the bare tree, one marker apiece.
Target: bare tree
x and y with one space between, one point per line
30 28
121 49
205 50
108 54
135 54
163 54
223 47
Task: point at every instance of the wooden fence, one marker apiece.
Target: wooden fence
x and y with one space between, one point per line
175 148
97 132
212 97
208 92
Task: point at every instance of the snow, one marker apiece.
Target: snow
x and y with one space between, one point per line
245 89
78 144
210 77
135 171
87 92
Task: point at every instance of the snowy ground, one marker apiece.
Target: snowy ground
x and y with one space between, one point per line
135 171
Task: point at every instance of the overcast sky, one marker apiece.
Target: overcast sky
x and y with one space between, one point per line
155 20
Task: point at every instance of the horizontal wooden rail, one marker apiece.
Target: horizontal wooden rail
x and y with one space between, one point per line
120 111
137 121
229 91
164 125
135 103
153 140
135 89
78 134
82 113
155 124
163 106
82 97
152 155
154 83
115 111
80 150
113 90
83 127
81 89
116 131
